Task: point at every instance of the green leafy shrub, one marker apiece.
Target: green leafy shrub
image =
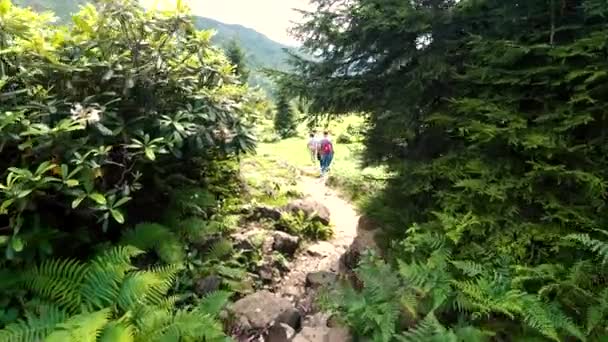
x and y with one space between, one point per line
110 299
90 116
157 238
344 138
547 301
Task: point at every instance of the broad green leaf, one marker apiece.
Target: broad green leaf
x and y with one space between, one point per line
117 215
72 182
64 170
16 244
121 201
77 201
5 204
149 153
24 193
97 197
44 167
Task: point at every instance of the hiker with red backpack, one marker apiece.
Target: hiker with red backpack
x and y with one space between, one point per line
326 151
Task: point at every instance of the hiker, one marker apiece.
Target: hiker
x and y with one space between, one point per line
326 151
313 148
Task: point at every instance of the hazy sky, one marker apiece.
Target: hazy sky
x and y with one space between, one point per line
270 17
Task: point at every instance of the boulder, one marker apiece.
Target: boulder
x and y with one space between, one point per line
365 240
280 333
366 223
266 273
285 243
320 319
207 285
311 209
323 334
320 279
263 309
252 239
321 249
266 212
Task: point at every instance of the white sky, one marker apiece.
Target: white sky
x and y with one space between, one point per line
270 17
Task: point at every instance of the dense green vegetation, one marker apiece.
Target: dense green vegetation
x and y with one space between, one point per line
260 51
481 153
285 117
491 114
118 176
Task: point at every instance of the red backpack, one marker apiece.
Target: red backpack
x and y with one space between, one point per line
326 146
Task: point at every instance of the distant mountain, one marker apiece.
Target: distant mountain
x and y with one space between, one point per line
261 51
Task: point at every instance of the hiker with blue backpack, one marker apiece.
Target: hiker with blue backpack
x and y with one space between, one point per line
326 151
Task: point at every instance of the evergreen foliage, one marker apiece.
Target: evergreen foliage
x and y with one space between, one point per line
236 56
285 118
491 113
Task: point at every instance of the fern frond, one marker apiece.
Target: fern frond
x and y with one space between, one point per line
220 250
35 327
426 330
595 315
81 328
56 280
197 229
146 287
213 303
548 319
184 325
105 273
409 302
148 320
468 267
169 302
156 237
597 246
117 332
197 326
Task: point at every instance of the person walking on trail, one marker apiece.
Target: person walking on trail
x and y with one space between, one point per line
313 147
326 151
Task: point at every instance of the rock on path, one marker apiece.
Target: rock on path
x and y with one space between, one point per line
323 255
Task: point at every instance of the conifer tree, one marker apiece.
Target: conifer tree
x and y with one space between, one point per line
237 58
492 116
285 118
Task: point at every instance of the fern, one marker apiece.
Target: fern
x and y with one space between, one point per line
81 328
156 237
213 303
113 286
429 329
104 274
117 332
373 312
468 267
220 250
34 327
56 280
197 229
597 246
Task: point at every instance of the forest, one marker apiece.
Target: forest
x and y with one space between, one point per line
149 193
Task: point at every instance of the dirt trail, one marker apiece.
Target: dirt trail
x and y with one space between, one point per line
322 255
